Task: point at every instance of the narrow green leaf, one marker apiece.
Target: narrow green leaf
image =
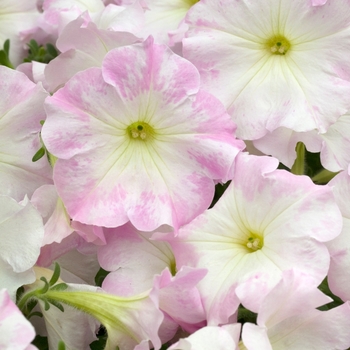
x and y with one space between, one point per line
61 345
34 47
38 155
47 305
55 275
45 288
323 177
19 294
7 47
31 304
51 50
57 304
41 342
41 51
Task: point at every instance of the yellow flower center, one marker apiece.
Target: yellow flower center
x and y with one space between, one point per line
278 45
255 242
140 131
191 2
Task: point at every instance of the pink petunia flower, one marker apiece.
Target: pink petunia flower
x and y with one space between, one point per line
137 140
268 220
273 63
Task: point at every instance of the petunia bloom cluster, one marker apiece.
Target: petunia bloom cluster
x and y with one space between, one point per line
175 175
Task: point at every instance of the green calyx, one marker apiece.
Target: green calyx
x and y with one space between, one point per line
140 131
40 290
278 45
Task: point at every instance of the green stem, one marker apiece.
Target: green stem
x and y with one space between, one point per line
25 298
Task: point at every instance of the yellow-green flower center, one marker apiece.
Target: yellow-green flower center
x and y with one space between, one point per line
140 131
255 242
191 2
278 45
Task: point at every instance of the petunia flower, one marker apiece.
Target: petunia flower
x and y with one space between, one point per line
273 63
267 220
137 140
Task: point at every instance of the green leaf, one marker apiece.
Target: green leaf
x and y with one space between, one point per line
40 53
4 55
38 155
323 287
41 342
51 50
57 304
61 345
219 191
100 344
46 286
31 304
46 305
19 294
323 177
100 276
7 47
55 275
245 315
33 46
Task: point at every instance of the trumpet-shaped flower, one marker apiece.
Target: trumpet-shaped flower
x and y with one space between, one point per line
137 141
131 322
267 221
273 63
